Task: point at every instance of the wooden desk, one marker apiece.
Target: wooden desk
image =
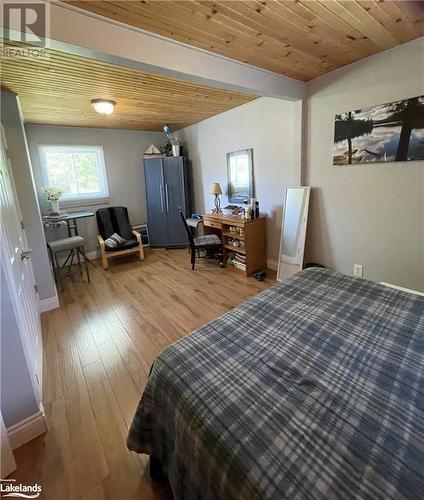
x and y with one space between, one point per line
250 232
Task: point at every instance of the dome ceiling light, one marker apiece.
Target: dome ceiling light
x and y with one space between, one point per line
103 106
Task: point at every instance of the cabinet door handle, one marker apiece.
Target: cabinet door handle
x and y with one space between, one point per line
161 197
167 197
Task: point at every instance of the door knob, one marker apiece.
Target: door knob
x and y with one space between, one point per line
25 254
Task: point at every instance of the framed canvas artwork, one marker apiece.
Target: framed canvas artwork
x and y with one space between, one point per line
384 133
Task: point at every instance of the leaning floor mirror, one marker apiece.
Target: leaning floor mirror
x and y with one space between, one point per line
293 231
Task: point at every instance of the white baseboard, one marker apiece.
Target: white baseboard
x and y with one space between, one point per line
272 264
27 429
49 304
409 290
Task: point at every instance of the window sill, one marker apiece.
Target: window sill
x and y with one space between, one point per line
83 203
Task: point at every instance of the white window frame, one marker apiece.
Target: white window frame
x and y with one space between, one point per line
69 200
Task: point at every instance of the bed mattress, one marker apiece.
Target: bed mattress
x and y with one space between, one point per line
313 389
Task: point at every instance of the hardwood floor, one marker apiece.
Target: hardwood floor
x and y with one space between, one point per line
98 348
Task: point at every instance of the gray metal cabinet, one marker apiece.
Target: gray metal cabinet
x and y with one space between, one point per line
166 191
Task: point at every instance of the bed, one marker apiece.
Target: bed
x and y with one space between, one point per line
313 389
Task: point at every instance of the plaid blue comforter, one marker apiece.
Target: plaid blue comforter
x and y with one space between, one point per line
314 389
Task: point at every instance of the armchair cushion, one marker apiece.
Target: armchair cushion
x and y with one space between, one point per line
114 240
132 242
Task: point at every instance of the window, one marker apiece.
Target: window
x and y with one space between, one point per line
78 171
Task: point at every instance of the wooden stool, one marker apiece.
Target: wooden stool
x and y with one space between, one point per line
75 246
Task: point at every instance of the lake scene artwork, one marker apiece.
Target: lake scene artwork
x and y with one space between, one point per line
384 133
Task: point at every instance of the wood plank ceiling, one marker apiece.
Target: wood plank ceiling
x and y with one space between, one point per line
298 38
58 92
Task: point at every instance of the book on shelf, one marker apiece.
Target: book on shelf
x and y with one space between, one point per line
230 210
239 265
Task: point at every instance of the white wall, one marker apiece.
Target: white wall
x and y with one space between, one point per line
17 150
267 125
366 214
18 400
123 157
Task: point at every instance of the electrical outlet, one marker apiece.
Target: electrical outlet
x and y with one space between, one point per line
358 270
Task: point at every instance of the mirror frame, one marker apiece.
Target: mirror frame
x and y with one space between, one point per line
231 197
302 236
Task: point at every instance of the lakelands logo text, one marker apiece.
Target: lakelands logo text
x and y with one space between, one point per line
13 489
25 30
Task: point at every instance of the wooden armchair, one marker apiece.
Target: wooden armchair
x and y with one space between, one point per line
115 220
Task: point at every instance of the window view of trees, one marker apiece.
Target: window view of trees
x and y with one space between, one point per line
60 172
75 171
86 172
390 132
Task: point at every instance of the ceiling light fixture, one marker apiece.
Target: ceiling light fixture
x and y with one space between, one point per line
103 106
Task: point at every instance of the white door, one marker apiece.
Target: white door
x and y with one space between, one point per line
15 259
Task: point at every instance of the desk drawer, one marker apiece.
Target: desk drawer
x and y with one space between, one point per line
211 223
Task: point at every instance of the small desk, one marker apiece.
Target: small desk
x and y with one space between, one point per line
250 234
71 220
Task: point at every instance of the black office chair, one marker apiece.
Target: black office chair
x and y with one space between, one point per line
208 243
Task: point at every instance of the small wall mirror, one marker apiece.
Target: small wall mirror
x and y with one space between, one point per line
240 175
293 231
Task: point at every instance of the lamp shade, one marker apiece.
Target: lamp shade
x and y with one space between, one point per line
216 188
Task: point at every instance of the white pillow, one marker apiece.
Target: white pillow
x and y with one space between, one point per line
114 240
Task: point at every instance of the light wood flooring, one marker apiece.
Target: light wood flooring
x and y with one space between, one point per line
98 348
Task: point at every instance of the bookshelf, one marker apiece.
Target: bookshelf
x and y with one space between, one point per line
246 239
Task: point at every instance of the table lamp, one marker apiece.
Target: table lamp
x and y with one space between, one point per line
216 190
